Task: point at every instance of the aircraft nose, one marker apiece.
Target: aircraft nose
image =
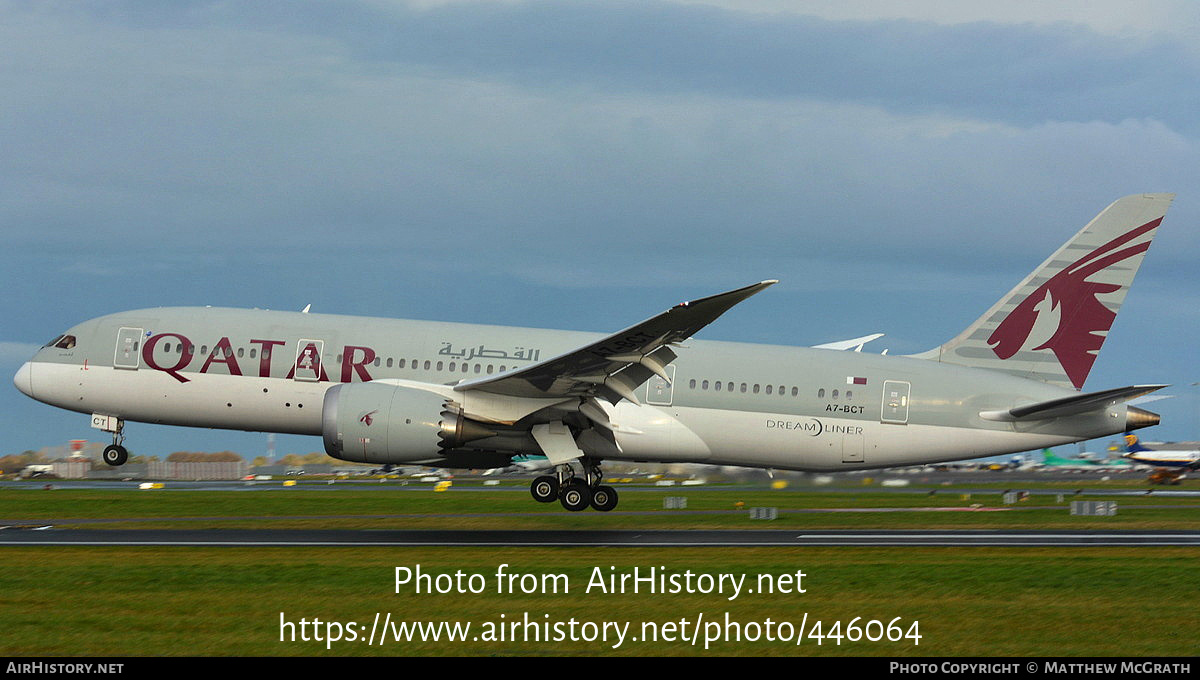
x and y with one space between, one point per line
24 379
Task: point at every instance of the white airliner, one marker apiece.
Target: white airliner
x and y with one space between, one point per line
456 395
1188 459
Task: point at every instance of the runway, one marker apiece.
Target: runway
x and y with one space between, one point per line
960 485
28 536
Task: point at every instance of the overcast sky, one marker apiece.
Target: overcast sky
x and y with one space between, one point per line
585 165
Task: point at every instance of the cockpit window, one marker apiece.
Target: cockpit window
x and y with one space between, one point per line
62 342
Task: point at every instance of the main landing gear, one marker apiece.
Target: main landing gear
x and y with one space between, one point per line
573 492
115 454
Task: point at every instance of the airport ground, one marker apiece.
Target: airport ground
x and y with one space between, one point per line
978 601
947 501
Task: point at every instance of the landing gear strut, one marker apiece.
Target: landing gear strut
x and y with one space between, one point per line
575 493
115 454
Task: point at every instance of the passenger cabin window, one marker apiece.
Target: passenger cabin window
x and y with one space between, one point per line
821 393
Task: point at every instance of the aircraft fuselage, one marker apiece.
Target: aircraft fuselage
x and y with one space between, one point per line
728 403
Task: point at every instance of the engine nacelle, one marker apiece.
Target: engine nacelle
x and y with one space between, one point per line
381 423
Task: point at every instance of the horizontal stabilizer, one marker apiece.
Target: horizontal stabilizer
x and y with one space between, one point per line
1069 406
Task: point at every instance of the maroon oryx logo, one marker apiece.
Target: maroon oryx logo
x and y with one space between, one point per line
1066 311
366 418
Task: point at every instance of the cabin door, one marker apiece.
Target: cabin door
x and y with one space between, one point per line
129 345
659 391
308 361
896 395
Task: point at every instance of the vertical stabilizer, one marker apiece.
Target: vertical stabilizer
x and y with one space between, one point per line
1132 445
1052 325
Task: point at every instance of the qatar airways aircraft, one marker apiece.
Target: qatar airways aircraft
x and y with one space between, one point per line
461 395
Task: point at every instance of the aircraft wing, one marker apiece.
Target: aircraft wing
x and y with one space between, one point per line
615 365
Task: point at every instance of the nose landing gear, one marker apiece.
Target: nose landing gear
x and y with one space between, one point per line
115 454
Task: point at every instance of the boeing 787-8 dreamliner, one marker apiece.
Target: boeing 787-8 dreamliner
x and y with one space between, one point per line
390 391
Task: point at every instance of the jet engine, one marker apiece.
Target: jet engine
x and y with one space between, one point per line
381 423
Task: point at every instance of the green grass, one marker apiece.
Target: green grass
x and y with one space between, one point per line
387 507
969 601
227 601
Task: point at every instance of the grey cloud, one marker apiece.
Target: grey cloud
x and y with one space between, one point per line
1017 73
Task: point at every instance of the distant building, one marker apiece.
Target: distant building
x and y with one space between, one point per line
126 471
218 470
73 449
72 468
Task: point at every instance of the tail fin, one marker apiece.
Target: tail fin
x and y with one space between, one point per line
1049 456
1052 325
1132 445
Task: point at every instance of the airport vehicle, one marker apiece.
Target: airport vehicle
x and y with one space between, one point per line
1166 476
457 395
